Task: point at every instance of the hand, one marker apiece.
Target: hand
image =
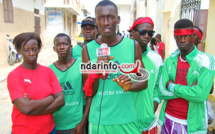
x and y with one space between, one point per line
104 59
79 129
124 82
168 82
155 106
195 83
27 97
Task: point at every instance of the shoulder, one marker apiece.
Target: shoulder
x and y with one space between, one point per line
155 57
46 70
15 72
162 43
205 60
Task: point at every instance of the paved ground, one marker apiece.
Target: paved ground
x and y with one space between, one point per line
46 57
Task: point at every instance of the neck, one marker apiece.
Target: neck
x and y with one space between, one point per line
143 48
65 60
112 40
184 53
33 66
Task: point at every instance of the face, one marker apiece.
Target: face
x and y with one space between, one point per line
62 46
131 35
143 40
107 20
88 32
184 42
30 51
196 39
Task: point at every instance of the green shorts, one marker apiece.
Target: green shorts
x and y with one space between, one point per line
128 128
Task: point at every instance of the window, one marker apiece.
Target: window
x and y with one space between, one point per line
8 11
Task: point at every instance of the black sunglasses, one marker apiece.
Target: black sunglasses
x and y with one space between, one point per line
143 32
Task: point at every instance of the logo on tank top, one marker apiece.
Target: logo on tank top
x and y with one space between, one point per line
134 71
67 89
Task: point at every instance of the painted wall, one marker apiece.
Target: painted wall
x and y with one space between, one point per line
171 14
125 19
23 22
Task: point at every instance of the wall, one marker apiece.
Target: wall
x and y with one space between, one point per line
23 13
171 14
124 11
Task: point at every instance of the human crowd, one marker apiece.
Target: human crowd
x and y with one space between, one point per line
51 100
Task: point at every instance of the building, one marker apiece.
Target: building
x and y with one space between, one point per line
61 17
166 12
19 16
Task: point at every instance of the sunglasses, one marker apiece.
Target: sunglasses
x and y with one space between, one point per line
143 32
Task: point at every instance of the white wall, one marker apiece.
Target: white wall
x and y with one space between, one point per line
29 5
124 13
205 4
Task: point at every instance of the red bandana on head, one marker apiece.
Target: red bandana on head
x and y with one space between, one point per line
142 20
179 32
198 33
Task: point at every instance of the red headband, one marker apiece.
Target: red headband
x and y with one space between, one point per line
142 20
179 32
198 33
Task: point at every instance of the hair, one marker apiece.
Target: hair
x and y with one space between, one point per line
21 39
158 36
198 29
183 23
153 41
63 35
107 3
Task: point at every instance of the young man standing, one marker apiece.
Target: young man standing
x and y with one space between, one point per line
160 46
146 101
185 83
112 109
68 73
197 36
89 31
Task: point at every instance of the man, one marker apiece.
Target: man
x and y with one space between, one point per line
185 83
160 46
130 34
89 31
68 119
113 112
146 101
197 36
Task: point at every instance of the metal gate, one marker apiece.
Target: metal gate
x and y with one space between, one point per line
190 9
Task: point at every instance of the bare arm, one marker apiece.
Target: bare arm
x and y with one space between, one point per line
79 129
32 107
56 104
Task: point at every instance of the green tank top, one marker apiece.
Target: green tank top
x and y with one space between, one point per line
77 54
117 106
69 115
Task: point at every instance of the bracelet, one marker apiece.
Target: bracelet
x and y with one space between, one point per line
169 86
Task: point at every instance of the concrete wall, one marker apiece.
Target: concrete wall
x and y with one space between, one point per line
171 14
125 19
23 22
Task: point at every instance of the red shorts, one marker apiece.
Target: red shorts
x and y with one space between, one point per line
152 131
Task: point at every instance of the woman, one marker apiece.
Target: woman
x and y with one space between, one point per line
34 90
